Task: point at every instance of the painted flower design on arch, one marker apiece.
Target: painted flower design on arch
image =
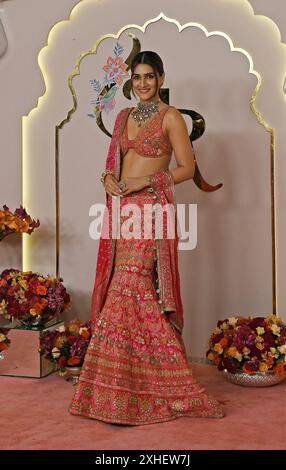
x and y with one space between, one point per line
115 69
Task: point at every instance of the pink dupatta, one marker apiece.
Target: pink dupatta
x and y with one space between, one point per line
167 249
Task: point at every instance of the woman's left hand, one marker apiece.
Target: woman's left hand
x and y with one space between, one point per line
133 184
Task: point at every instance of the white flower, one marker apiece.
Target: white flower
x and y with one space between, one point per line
282 349
217 330
275 329
3 306
56 353
61 328
82 329
232 321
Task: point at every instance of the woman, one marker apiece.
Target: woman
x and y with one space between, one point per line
136 370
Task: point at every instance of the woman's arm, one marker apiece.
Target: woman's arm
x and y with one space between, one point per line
179 137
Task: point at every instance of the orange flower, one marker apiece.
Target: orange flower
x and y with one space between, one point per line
247 369
263 367
269 362
223 342
210 356
3 346
33 312
38 307
218 348
74 326
279 369
74 361
233 352
23 225
84 333
41 290
11 224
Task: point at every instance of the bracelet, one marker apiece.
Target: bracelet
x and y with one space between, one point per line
104 174
149 179
160 179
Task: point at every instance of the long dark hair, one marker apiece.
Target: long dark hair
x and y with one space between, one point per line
150 58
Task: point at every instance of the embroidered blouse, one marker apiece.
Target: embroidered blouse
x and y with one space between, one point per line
151 140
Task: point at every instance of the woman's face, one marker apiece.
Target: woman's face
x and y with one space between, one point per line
144 82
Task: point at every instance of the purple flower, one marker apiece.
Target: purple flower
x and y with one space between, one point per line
244 336
21 212
55 300
79 347
47 340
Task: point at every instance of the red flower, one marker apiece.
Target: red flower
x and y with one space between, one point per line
72 339
247 368
74 361
227 364
216 338
62 361
269 340
258 321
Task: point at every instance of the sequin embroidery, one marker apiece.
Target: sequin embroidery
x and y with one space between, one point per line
136 369
150 140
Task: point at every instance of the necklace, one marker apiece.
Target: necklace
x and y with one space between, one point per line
144 111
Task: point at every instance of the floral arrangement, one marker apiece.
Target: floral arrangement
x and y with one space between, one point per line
115 71
31 297
4 340
67 345
19 221
249 345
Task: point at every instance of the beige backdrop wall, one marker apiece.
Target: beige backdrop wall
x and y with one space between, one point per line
229 271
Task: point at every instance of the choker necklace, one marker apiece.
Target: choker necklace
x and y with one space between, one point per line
144 111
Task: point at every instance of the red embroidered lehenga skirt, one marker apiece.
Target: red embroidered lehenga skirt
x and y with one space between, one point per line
136 369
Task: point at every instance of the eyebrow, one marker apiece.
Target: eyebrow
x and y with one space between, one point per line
148 73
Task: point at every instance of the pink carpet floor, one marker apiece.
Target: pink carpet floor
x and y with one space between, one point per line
34 416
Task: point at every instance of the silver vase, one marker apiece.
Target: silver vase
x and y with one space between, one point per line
73 373
37 322
259 379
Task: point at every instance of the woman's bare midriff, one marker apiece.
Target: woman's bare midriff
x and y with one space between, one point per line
135 165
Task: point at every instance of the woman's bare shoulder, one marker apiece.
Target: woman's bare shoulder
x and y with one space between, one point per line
173 116
173 111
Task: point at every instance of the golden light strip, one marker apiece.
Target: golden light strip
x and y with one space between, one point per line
76 72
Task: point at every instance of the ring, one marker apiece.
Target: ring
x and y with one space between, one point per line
122 185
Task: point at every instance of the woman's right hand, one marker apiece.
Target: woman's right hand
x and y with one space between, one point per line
111 185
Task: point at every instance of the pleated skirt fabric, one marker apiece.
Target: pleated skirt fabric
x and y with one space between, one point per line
136 370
